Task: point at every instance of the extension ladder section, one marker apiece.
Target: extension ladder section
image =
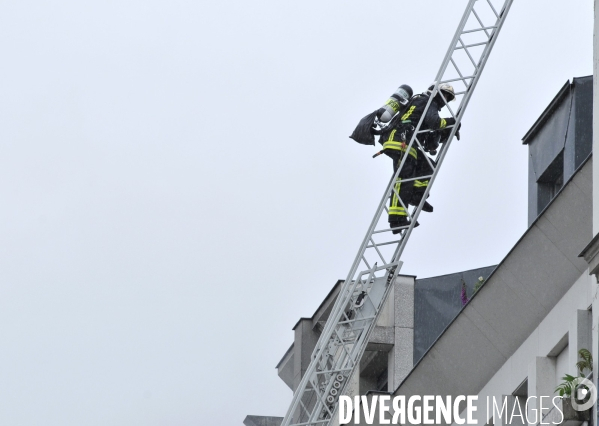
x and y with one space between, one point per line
352 319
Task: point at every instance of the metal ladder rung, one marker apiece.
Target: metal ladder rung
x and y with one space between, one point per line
384 230
451 80
333 371
419 177
478 29
384 244
354 320
466 46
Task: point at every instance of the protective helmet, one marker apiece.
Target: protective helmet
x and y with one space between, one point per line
446 89
404 94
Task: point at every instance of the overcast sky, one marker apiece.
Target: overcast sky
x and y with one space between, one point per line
178 188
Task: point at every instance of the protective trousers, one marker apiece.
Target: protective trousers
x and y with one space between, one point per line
402 190
423 168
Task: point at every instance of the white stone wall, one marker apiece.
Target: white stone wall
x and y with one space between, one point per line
596 117
536 359
592 291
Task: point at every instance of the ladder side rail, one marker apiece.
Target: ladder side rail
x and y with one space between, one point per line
478 69
460 112
439 76
324 340
454 41
358 347
355 355
344 294
440 73
339 365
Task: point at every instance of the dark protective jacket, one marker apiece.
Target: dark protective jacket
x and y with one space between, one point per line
401 126
414 111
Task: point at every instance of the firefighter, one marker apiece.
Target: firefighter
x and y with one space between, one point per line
395 139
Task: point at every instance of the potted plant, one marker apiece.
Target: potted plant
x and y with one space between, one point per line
573 417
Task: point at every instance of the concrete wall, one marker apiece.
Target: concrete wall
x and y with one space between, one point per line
401 358
567 327
596 116
390 347
389 354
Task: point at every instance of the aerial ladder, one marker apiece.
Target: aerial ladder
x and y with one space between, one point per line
346 333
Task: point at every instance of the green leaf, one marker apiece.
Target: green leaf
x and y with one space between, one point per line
585 354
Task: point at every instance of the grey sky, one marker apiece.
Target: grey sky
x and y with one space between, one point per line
178 186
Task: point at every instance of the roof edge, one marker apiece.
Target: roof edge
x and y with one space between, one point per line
547 112
453 273
589 246
285 356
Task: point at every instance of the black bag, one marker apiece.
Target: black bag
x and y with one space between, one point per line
363 131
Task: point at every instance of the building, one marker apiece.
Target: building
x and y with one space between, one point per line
558 143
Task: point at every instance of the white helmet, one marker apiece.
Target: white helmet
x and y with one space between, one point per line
446 90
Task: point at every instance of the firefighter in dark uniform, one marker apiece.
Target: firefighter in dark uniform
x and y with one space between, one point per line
395 139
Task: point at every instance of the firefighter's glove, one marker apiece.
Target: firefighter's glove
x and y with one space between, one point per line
457 132
375 131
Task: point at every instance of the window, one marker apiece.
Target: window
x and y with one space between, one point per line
550 182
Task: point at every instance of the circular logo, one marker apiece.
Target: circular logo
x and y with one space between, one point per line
581 388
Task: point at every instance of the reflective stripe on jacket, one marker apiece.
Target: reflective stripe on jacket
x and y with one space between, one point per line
396 145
